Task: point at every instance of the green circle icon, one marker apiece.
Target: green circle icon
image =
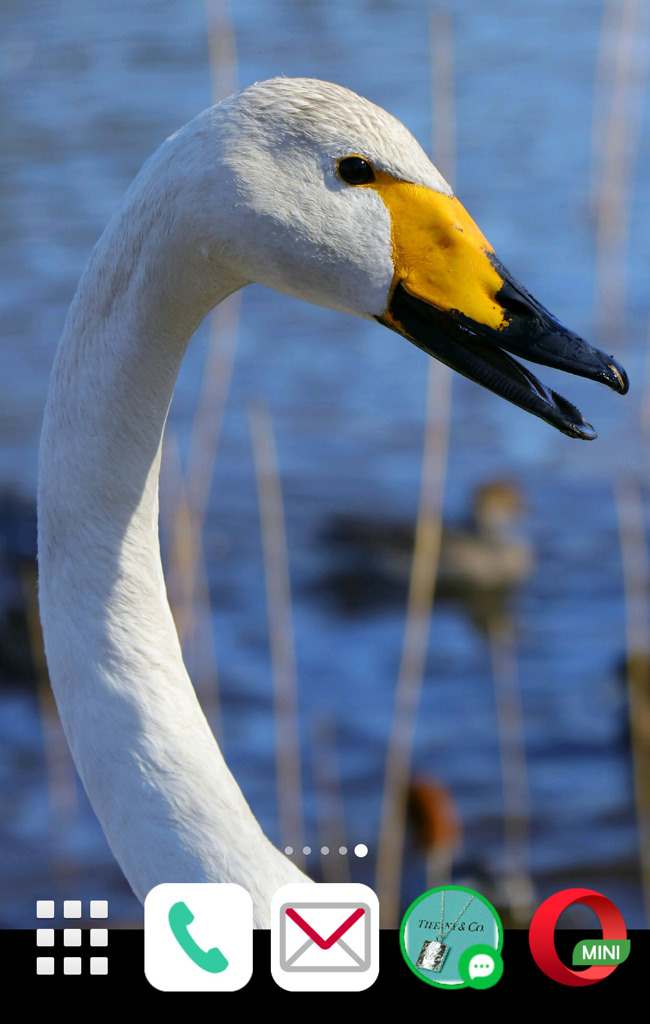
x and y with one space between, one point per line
451 937
480 966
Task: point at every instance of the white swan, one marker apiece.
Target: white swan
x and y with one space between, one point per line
311 190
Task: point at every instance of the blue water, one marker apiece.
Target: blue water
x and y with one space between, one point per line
87 91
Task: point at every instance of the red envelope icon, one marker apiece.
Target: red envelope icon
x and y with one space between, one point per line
325 937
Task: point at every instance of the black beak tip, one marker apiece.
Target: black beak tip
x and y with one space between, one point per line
617 377
585 432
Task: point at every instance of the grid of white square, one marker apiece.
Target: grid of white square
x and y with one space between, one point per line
72 937
72 908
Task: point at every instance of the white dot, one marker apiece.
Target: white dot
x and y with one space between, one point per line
72 936
45 936
343 850
72 908
72 965
99 965
45 965
288 850
99 908
361 850
99 937
45 908
324 850
306 850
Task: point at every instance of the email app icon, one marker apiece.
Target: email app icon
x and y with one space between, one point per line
325 937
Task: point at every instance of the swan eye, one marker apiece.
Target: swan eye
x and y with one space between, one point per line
356 171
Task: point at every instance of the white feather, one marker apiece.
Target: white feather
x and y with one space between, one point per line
247 191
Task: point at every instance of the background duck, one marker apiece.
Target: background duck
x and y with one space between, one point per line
482 561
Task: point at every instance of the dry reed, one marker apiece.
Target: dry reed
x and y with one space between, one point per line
636 566
620 86
424 568
327 782
187 573
518 887
60 774
278 590
620 89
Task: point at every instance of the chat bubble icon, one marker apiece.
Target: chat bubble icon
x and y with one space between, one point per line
480 966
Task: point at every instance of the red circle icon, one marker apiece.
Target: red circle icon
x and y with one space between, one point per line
541 936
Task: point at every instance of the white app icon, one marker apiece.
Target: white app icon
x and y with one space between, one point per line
325 937
198 937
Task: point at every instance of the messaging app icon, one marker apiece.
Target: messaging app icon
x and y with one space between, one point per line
325 937
452 937
480 966
198 937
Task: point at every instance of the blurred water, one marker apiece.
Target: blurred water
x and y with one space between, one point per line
87 91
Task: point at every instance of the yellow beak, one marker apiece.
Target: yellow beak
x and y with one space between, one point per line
439 254
452 297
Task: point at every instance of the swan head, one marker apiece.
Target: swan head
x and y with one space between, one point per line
334 202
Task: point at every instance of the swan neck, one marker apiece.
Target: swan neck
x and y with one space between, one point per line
152 769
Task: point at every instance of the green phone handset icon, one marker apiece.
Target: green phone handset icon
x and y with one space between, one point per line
212 960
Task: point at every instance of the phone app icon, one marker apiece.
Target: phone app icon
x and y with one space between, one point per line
198 937
180 917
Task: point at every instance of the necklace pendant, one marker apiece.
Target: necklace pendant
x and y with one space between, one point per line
432 955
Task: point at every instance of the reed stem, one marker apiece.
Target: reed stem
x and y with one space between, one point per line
278 592
424 570
636 565
428 531
623 64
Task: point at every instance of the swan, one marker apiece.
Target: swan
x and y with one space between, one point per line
316 192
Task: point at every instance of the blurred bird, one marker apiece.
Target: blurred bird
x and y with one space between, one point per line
436 824
480 563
